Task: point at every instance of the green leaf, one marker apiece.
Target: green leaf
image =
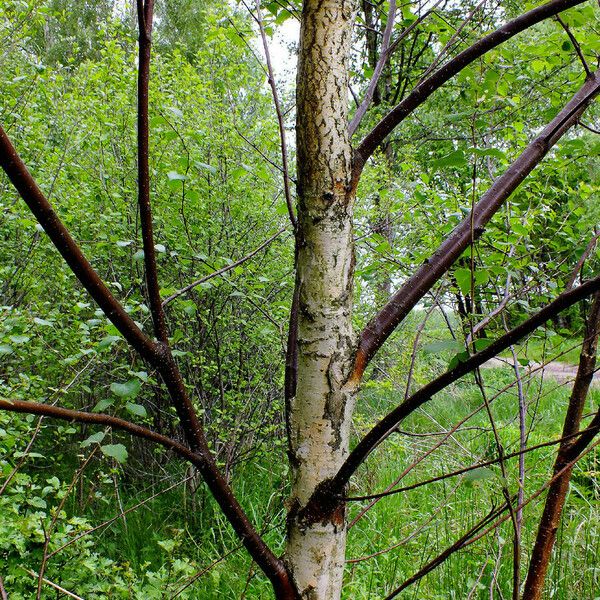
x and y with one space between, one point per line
463 279
206 167
107 341
136 409
43 322
95 438
454 159
443 346
129 389
456 359
36 502
19 339
116 451
103 405
5 349
482 344
175 176
478 474
175 111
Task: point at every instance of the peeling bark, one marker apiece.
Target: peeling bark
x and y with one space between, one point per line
320 411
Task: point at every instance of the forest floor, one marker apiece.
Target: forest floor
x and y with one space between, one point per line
561 371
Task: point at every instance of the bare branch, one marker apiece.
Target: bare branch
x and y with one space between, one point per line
57 587
223 270
464 234
383 57
284 152
596 131
449 70
145 10
576 45
584 256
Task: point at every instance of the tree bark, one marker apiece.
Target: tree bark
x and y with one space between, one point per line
320 411
557 493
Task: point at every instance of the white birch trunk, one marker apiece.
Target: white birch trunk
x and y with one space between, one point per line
320 412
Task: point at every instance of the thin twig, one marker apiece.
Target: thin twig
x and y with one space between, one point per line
576 45
272 84
222 270
475 532
383 58
118 516
23 457
58 510
473 467
584 256
589 128
54 585
504 485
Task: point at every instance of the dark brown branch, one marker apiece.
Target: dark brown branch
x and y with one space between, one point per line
576 45
66 414
592 129
450 69
145 10
557 493
329 494
402 302
271 565
24 183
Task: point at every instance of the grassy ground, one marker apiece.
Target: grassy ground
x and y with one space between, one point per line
160 548
410 528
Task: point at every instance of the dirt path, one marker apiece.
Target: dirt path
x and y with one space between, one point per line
562 372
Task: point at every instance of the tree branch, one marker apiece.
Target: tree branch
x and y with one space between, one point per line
327 496
271 565
557 493
576 45
449 70
284 152
27 187
383 57
402 302
145 10
222 270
